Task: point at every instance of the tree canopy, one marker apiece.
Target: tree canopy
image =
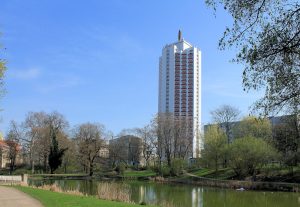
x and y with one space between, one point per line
248 154
214 145
267 35
2 70
255 127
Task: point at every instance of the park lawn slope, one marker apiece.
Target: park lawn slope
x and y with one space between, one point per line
54 199
142 173
222 174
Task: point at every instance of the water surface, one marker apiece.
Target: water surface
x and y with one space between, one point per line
185 195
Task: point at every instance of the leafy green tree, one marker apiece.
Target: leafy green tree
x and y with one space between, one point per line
225 116
55 155
267 35
254 127
247 155
2 71
214 145
177 166
287 141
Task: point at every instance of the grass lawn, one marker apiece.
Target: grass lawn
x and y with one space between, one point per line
222 174
143 173
54 199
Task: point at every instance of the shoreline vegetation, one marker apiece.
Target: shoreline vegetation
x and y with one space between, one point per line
202 177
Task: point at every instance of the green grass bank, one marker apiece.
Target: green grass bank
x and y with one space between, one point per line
55 199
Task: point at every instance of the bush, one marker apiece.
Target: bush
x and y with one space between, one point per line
121 169
247 155
144 168
178 166
165 170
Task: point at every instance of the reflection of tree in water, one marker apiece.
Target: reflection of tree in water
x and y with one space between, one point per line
232 198
165 194
183 195
197 197
89 187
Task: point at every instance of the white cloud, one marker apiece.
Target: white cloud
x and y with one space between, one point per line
26 74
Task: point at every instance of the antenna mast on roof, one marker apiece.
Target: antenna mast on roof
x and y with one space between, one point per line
179 35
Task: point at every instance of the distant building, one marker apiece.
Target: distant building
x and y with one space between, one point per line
4 154
126 149
104 151
274 121
180 86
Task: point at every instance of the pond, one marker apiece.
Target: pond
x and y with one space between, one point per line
182 195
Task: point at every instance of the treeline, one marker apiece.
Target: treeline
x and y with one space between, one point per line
48 144
45 143
251 144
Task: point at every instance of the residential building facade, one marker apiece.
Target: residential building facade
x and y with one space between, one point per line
5 154
126 149
180 86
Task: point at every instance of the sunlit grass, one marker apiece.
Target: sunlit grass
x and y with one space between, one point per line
142 173
54 199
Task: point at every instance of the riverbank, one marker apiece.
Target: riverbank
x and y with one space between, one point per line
190 179
224 178
221 179
55 199
61 176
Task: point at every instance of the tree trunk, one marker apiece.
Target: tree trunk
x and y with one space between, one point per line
45 163
91 170
216 164
32 167
65 168
11 167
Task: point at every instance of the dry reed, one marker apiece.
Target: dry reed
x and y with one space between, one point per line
56 188
114 192
167 204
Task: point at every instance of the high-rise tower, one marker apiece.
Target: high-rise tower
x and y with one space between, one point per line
180 86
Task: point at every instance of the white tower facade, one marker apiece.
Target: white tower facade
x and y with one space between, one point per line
180 86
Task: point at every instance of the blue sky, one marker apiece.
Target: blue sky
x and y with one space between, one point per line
97 60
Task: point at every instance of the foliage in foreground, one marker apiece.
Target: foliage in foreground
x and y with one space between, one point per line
267 35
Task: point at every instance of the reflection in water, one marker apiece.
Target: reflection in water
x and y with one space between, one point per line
185 195
197 197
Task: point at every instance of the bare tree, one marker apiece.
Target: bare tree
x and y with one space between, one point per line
147 135
225 115
174 136
89 142
183 137
39 127
115 155
69 159
165 136
130 131
33 127
13 147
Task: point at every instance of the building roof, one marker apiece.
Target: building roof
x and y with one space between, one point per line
3 144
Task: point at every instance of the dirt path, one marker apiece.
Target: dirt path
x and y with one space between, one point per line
10 197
